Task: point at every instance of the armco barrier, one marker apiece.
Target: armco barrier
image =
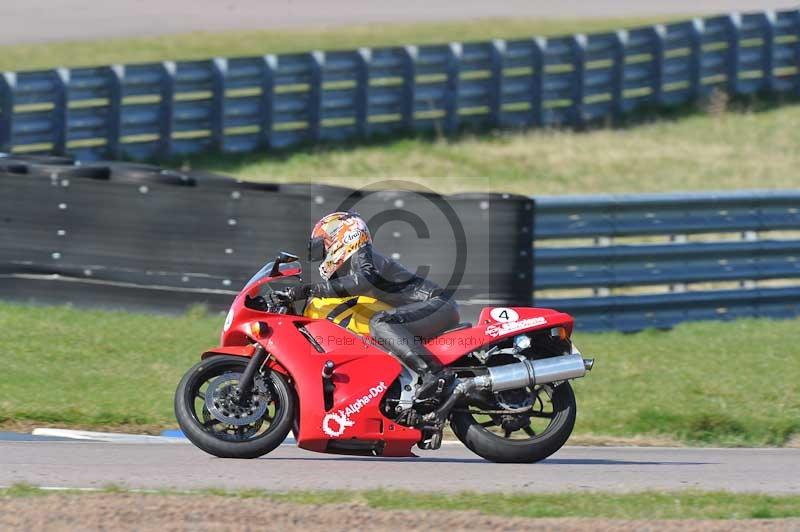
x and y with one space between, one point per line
686 266
168 109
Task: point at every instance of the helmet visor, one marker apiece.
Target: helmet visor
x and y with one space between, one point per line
316 249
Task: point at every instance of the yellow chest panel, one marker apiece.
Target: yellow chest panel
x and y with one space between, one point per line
352 313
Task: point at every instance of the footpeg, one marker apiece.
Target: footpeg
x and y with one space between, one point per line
433 442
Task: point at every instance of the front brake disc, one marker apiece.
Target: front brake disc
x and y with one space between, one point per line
223 403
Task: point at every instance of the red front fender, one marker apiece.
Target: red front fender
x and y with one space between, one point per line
243 351
235 350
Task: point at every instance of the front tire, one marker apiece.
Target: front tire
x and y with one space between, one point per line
219 439
478 437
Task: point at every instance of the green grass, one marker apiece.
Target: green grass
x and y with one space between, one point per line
94 368
248 43
708 383
753 146
645 505
735 383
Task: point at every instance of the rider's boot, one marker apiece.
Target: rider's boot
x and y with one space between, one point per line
422 362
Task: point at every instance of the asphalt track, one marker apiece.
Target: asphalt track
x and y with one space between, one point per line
23 21
452 468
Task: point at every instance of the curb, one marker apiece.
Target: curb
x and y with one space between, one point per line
108 437
166 437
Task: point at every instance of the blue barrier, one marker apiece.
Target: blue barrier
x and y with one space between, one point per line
765 267
169 109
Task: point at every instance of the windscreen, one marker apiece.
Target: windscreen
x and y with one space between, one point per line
265 271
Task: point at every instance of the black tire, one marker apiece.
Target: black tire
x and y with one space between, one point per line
193 429
145 173
493 447
65 171
55 160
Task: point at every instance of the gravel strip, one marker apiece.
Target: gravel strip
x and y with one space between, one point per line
131 511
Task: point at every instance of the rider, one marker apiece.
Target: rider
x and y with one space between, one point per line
351 267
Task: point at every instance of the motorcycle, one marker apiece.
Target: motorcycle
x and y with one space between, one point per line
505 390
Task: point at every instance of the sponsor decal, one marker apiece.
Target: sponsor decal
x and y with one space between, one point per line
352 236
501 329
228 320
335 423
504 315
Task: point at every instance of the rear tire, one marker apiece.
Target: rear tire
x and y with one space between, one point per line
498 449
192 427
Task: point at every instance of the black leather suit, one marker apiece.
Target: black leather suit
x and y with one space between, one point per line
421 309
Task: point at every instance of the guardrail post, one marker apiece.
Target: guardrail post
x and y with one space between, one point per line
696 59
618 74
769 51
451 93
315 96
734 22
537 82
496 73
165 109
751 236
604 242
362 92
116 74
579 47
409 88
678 240
267 95
60 111
219 73
8 82
659 36
797 57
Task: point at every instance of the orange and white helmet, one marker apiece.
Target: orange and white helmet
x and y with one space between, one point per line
335 238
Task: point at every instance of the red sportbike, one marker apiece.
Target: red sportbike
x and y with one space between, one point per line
505 390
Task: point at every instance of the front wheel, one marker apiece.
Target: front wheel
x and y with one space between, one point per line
540 425
216 419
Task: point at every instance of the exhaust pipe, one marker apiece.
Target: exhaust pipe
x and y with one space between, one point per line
512 376
532 372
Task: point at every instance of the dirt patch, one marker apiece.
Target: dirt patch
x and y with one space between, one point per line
130 511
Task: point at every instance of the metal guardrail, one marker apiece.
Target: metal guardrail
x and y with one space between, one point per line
606 266
168 109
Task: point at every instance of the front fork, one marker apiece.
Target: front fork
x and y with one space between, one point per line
248 377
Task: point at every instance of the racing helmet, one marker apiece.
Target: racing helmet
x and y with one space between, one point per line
334 240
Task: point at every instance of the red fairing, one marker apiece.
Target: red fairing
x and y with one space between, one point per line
299 347
496 323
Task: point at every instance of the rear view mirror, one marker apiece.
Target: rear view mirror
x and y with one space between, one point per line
283 258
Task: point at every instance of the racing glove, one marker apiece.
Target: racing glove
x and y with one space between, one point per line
293 293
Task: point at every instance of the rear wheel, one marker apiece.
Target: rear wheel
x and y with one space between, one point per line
542 420
213 416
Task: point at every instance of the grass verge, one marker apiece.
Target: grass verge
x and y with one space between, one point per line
644 505
710 383
203 45
742 146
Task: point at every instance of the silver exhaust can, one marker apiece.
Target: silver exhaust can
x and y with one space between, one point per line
532 372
